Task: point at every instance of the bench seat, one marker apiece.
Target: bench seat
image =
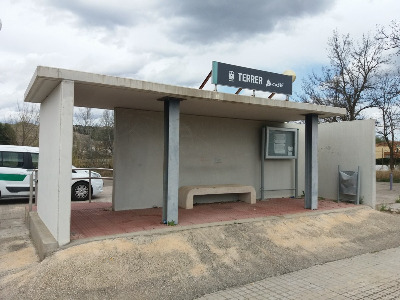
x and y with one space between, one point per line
246 193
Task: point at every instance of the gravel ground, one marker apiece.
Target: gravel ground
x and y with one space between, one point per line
191 263
386 196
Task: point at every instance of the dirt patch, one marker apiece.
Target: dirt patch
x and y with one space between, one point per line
315 234
20 258
16 249
17 246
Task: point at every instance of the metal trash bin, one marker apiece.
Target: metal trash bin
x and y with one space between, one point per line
349 185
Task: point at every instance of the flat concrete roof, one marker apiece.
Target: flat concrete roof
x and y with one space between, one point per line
108 92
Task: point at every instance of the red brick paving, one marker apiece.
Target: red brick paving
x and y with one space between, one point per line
97 218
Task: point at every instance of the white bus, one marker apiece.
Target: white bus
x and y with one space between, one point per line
18 162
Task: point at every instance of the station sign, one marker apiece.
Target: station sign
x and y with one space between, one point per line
246 78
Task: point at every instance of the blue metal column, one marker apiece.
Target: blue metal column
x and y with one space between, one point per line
171 160
263 130
311 162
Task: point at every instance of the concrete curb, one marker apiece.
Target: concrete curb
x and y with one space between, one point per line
43 240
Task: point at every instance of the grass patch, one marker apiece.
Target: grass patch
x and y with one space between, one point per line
171 223
384 176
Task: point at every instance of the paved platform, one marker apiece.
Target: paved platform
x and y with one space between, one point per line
97 219
368 276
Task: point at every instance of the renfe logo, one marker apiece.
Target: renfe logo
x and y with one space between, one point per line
246 78
232 76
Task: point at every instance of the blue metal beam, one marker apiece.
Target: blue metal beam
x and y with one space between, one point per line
171 160
311 162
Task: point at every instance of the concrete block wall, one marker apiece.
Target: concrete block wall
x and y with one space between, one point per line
138 159
348 144
212 151
55 161
228 151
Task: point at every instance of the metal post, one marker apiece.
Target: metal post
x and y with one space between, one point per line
165 167
296 169
311 162
171 160
358 185
262 161
30 191
36 186
391 179
90 186
338 187
205 80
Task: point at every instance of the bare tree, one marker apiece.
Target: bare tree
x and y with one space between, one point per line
85 117
386 97
7 134
93 138
83 143
391 38
26 124
107 122
346 82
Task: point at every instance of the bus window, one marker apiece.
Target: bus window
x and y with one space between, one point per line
12 159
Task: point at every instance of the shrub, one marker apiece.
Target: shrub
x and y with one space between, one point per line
384 176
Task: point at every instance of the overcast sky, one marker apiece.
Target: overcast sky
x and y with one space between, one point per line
173 41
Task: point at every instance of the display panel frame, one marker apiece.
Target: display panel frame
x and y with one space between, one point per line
281 143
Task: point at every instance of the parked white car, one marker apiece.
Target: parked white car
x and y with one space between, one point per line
17 163
80 187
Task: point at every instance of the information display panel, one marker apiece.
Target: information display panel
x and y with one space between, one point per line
281 143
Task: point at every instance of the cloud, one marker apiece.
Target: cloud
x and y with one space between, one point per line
193 21
107 14
212 21
174 41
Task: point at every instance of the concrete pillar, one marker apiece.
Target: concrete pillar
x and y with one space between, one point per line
171 159
311 162
55 160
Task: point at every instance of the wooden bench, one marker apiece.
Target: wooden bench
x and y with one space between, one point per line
246 193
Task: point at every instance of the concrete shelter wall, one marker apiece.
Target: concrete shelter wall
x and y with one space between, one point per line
138 159
55 160
212 151
348 144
